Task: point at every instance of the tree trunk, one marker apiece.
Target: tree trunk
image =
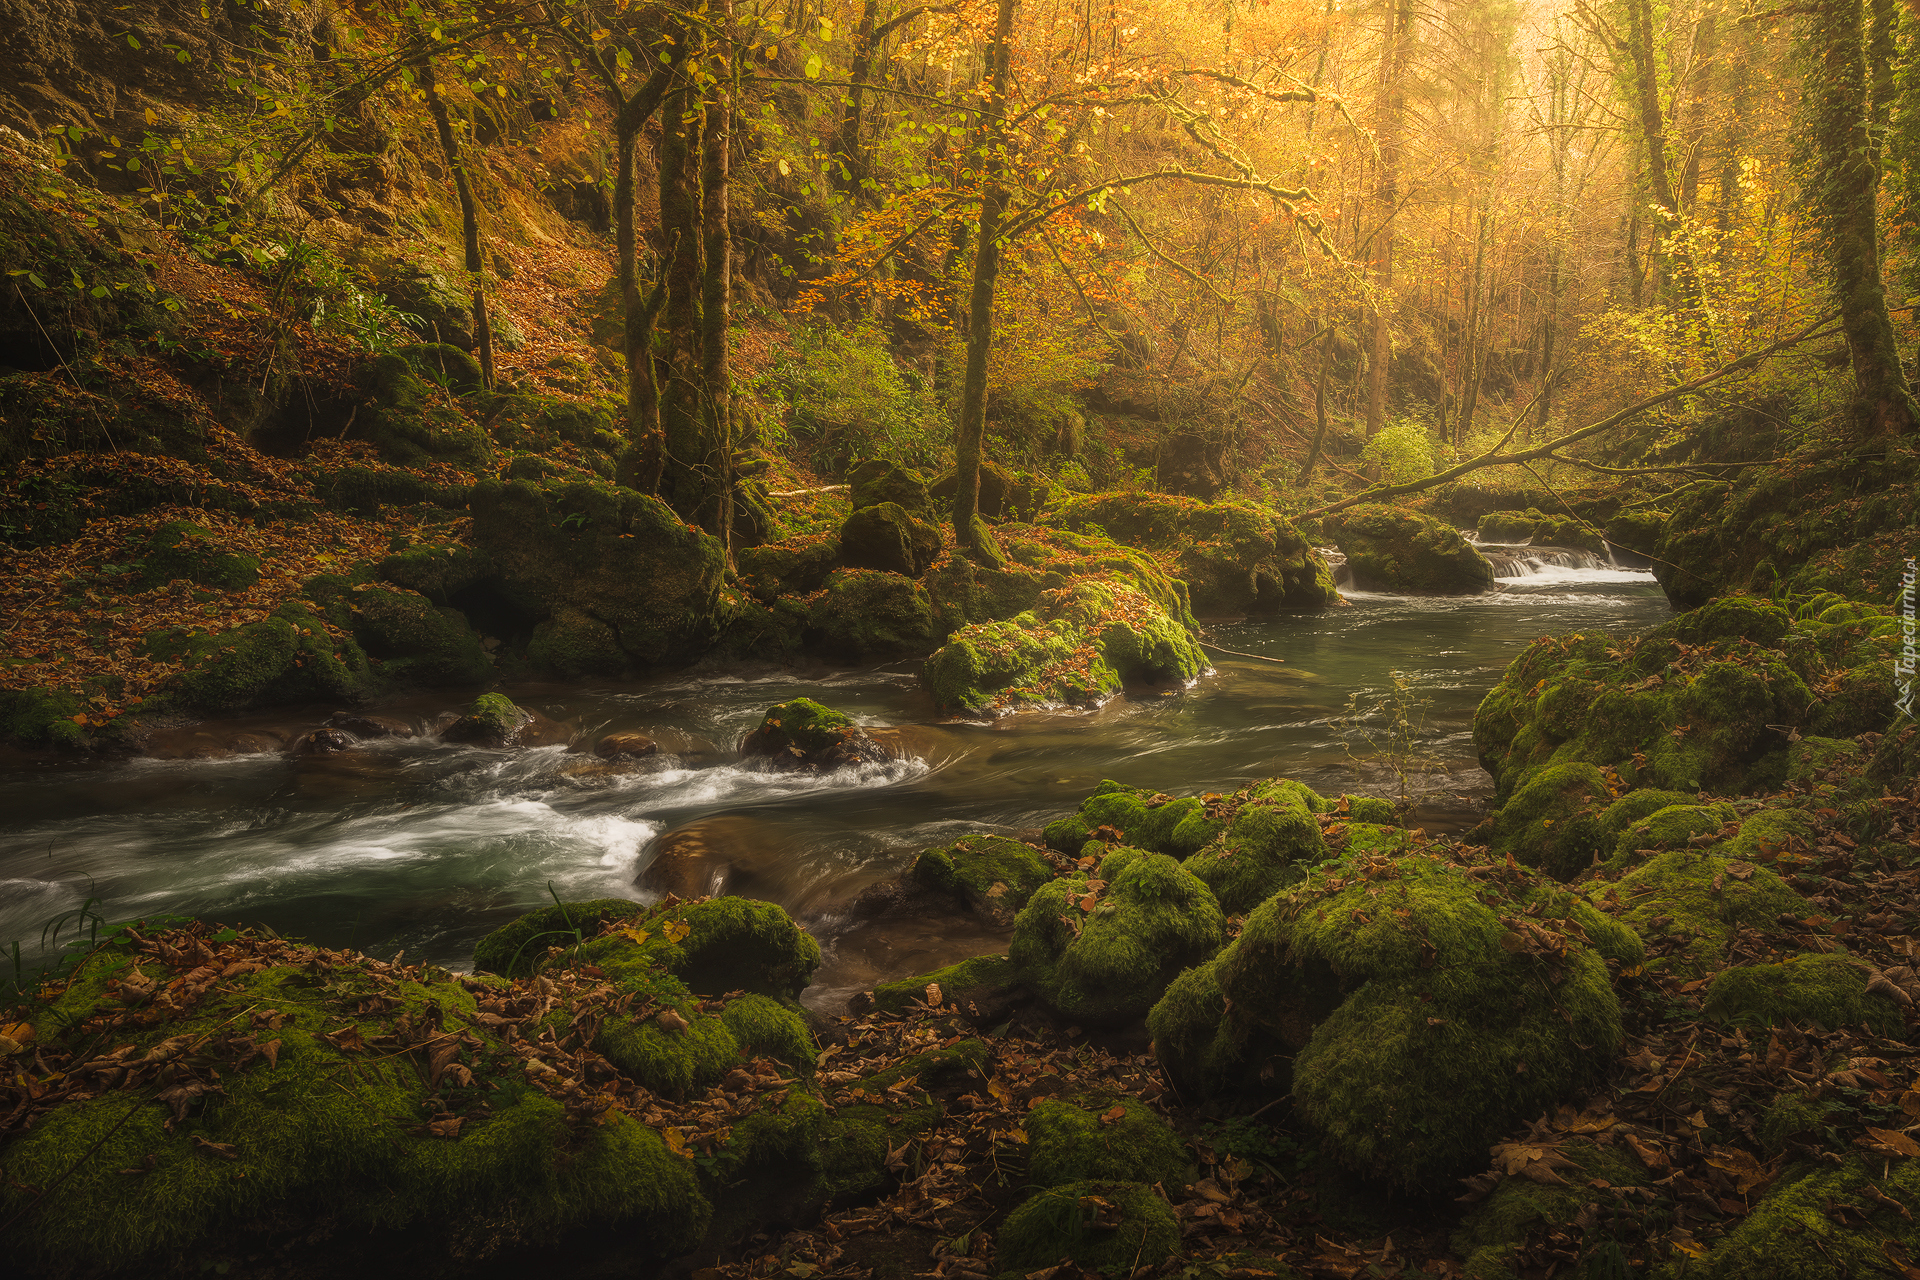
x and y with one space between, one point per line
684 483
1319 411
715 293
469 216
1393 103
1646 87
1845 38
852 167
969 530
646 452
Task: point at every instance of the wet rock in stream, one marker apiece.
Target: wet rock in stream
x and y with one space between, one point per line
803 735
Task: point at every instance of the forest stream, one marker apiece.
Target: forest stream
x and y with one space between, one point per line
417 845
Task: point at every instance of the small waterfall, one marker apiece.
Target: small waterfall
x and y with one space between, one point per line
1530 562
1337 564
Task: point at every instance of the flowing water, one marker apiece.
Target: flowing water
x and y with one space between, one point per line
411 843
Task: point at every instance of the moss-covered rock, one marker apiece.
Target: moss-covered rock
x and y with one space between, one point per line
795 566
620 580
993 875
1102 947
1829 991
43 718
1706 701
981 976
416 642
183 549
1553 822
413 423
319 1126
1795 1233
490 720
1111 1228
1673 826
1702 898
886 537
288 657
877 481
1140 818
1235 557
866 614
1389 549
1271 837
1535 527
1101 1139
1080 645
1430 1009
1487 1235
802 734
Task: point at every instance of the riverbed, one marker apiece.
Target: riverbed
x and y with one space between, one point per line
416 845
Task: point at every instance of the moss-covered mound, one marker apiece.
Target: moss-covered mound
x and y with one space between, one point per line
887 537
1702 900
724 944
244 1080
878 480
1101 946
993 875
1389 549
1827 991
413 422
868 614
491 720
982 976
1103 1139
1110 1228
1554 821
415 642
1705 701
1430 1006
292 656
795 566
617 579
1080 644
1135 816
1535 527
802 734
1271 837
1043 559
182 549
1235 557
1829 1224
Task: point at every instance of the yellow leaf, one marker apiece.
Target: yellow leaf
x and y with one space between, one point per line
676 931
152 116
676 1142
639 936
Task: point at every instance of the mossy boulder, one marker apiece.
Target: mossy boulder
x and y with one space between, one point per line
1040 559
1554 821
288 657
1109 1228
1535 527
1271 837
867 614
968 980
1829 991
877 481
490 720
438 571
1673 826
720 945
1796 1234
794 566
1103 1139
1235 557
1138 817
416 642
887 537
43 718
412 422
1081 644
1429 1008
802 734
183 549
1488 1234
1406 552
993 875
1100 947
993 497
620 581
1706 701
1701 898
317 1126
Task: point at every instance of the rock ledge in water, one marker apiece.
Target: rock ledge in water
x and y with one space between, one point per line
803 735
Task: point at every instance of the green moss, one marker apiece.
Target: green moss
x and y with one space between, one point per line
1145 819
42 718
764 1027
878 480
288 657
1208 1054
1793 1235
1432 1009
491 719
1075 1143
1490 1230
1371 809
333 1132
1699 901
1790 1116
888 538
865 613
417 642
1814 760
1828 990
1635 805
516 950
1266 846
993 875
801 727
182 549
674 1063
1063 1222
1389 549
1150 922
1671 827
1553 821
795 566
955 980
411 424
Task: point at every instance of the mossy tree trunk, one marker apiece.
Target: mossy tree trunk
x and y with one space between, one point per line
969 435
469 211
1848 91
683 411
1393 107
716 285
